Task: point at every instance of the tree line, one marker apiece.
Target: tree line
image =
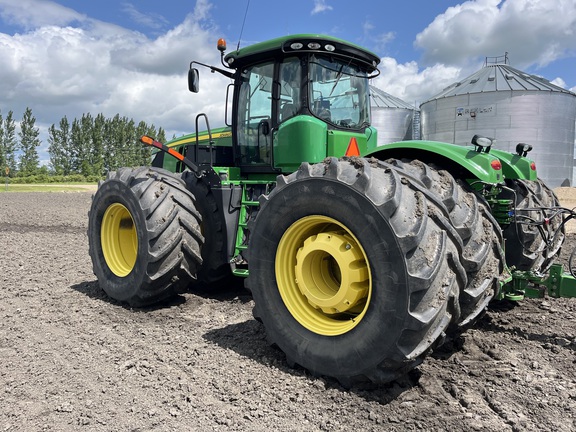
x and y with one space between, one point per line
86 147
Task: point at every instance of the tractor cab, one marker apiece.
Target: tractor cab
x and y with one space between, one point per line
297 98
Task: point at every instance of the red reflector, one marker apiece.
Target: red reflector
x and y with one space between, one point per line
496 164
352 149
533 166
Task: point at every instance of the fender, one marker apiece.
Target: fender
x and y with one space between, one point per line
515 166
463 162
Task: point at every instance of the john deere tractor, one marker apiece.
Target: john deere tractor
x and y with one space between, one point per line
360 258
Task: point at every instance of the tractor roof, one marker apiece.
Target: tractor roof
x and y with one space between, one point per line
290 45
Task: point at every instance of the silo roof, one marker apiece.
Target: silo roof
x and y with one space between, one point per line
381 99
499 77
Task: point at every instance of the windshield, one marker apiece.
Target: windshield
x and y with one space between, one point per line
339 92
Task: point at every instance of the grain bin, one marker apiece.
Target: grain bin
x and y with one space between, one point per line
394 119
511 106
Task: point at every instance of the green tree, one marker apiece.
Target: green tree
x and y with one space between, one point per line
112 138
75 151
161 135
97 150
3 164
128 137
85 144
29 142
55 151
65 142
9 143
142 151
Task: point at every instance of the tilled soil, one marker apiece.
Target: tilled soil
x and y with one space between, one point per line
72 359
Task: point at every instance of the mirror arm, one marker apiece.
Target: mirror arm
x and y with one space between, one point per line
214 69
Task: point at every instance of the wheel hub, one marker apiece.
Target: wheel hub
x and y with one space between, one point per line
330 272
323 275
119 239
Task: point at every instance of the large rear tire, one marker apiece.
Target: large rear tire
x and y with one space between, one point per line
354 270
215 266
482 253
144 236
526 248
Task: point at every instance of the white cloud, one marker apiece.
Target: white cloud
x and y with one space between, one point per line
381 40
559 82
320 6
36 13
411 84
153 21
99 67
523 28
65 64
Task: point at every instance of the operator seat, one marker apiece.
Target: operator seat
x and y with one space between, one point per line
287 111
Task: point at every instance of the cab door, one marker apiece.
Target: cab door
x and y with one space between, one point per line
255 121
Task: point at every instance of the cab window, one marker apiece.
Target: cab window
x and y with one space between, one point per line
339 92
255 114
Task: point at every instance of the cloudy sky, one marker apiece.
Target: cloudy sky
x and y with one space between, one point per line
68 57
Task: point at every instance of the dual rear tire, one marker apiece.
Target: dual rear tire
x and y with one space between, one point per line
533 246
355 270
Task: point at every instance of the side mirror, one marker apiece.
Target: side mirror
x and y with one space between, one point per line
193 80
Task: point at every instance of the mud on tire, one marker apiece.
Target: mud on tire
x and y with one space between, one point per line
482 254
406 273
215 266
526 248
144 236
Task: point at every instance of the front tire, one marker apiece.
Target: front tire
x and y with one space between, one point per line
482 253
144 237
354 271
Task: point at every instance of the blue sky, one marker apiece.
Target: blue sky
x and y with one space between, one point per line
68 57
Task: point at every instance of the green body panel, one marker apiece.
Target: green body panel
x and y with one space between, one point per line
338 142
275 46
306 138
478 165
514 166
228 175
220 136
169 163
299 139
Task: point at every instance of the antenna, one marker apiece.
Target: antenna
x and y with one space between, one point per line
243 22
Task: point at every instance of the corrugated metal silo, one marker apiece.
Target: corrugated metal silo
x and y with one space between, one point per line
511 106
394 119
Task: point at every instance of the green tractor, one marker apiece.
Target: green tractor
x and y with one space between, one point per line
360 258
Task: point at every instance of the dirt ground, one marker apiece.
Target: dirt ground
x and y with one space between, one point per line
72 359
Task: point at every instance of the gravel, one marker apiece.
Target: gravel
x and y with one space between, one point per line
72 359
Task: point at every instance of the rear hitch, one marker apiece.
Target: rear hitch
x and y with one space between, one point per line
557 284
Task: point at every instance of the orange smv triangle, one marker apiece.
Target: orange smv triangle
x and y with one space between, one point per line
352 149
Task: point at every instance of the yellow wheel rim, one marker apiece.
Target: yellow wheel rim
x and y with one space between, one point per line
119 240
323 275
